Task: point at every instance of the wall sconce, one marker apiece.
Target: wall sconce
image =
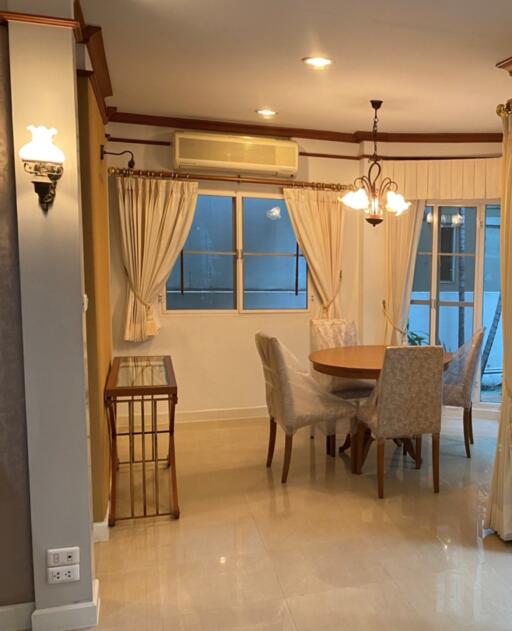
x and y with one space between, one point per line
44 160
104 152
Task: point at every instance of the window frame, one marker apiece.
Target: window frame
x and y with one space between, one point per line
238 197
477 305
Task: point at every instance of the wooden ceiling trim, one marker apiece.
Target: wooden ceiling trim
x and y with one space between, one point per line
295 132
44 20
505 64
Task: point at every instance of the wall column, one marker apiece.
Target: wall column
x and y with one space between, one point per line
43 83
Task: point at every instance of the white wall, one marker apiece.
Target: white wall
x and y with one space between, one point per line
214 355
43 80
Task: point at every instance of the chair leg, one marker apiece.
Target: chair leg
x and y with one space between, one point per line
271 441
418 452
380 466
357 448
330 445
467 422
435 461
471 425
287 458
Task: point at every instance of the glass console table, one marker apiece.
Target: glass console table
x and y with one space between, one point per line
141 396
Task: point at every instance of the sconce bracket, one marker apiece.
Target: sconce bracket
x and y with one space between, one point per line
46 175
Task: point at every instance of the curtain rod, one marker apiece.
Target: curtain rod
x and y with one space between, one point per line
172 175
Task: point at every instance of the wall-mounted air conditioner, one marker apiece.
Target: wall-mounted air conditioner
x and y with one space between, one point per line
242 154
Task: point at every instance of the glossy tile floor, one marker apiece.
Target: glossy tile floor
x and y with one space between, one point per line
319 554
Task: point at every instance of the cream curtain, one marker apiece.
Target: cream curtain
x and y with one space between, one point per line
317 219
156 216
401 237
475 178
499 509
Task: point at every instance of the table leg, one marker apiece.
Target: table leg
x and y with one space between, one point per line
111 415
175 509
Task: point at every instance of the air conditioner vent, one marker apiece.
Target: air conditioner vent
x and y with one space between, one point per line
242 154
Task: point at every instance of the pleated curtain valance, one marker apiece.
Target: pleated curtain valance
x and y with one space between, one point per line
471 179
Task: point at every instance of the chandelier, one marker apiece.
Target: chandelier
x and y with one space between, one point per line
372 194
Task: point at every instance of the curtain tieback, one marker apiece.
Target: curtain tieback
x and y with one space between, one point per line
139 297
402 332
326 305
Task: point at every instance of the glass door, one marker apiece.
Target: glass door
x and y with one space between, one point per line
456 287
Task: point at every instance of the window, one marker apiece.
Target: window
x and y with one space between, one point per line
241 254
456 287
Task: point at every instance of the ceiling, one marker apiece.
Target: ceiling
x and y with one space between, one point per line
431 61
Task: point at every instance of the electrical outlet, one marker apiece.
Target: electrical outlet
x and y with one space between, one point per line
65 574
62 556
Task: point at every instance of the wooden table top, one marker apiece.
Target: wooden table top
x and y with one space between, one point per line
354 362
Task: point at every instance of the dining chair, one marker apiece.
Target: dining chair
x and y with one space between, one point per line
332 333
295 400
458 382
406 403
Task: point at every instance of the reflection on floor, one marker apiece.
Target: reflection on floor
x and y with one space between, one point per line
320 554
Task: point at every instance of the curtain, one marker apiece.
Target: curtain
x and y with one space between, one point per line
317 219
473 178
156 216
401 236
499 509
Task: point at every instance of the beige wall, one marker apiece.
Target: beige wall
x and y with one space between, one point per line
97 286
216 363
16 580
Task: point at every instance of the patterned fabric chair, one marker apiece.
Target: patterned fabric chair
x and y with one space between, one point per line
406 403
331 334
459 379
295 400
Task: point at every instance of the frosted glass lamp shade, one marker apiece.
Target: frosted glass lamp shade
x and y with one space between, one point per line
357 200
396 203
41 147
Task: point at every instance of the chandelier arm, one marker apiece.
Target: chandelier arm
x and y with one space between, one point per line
386 185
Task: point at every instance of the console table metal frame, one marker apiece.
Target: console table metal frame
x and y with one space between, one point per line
144 396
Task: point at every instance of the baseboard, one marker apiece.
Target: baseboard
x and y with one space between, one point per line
75 616
202 416
100 529
16 617
483 412
224 414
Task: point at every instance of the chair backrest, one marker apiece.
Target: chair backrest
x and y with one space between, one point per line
409 400
281 369
332 333
325 333
460 374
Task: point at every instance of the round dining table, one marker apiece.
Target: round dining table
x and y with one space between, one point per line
354 362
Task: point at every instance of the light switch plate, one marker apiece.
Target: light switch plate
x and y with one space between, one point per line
62 556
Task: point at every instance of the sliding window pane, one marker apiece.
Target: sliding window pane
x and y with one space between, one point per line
425 242
267 226
213 228
418 330
492 353
422 277
270 282
457 230
454 326
208 283
456 278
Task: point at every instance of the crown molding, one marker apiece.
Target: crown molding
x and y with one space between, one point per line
42 20
505 64
296 132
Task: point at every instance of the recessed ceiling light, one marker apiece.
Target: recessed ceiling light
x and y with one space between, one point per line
266 112
318 63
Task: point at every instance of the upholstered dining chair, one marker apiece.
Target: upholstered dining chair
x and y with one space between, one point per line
332 333
295 400
459 379
406 403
